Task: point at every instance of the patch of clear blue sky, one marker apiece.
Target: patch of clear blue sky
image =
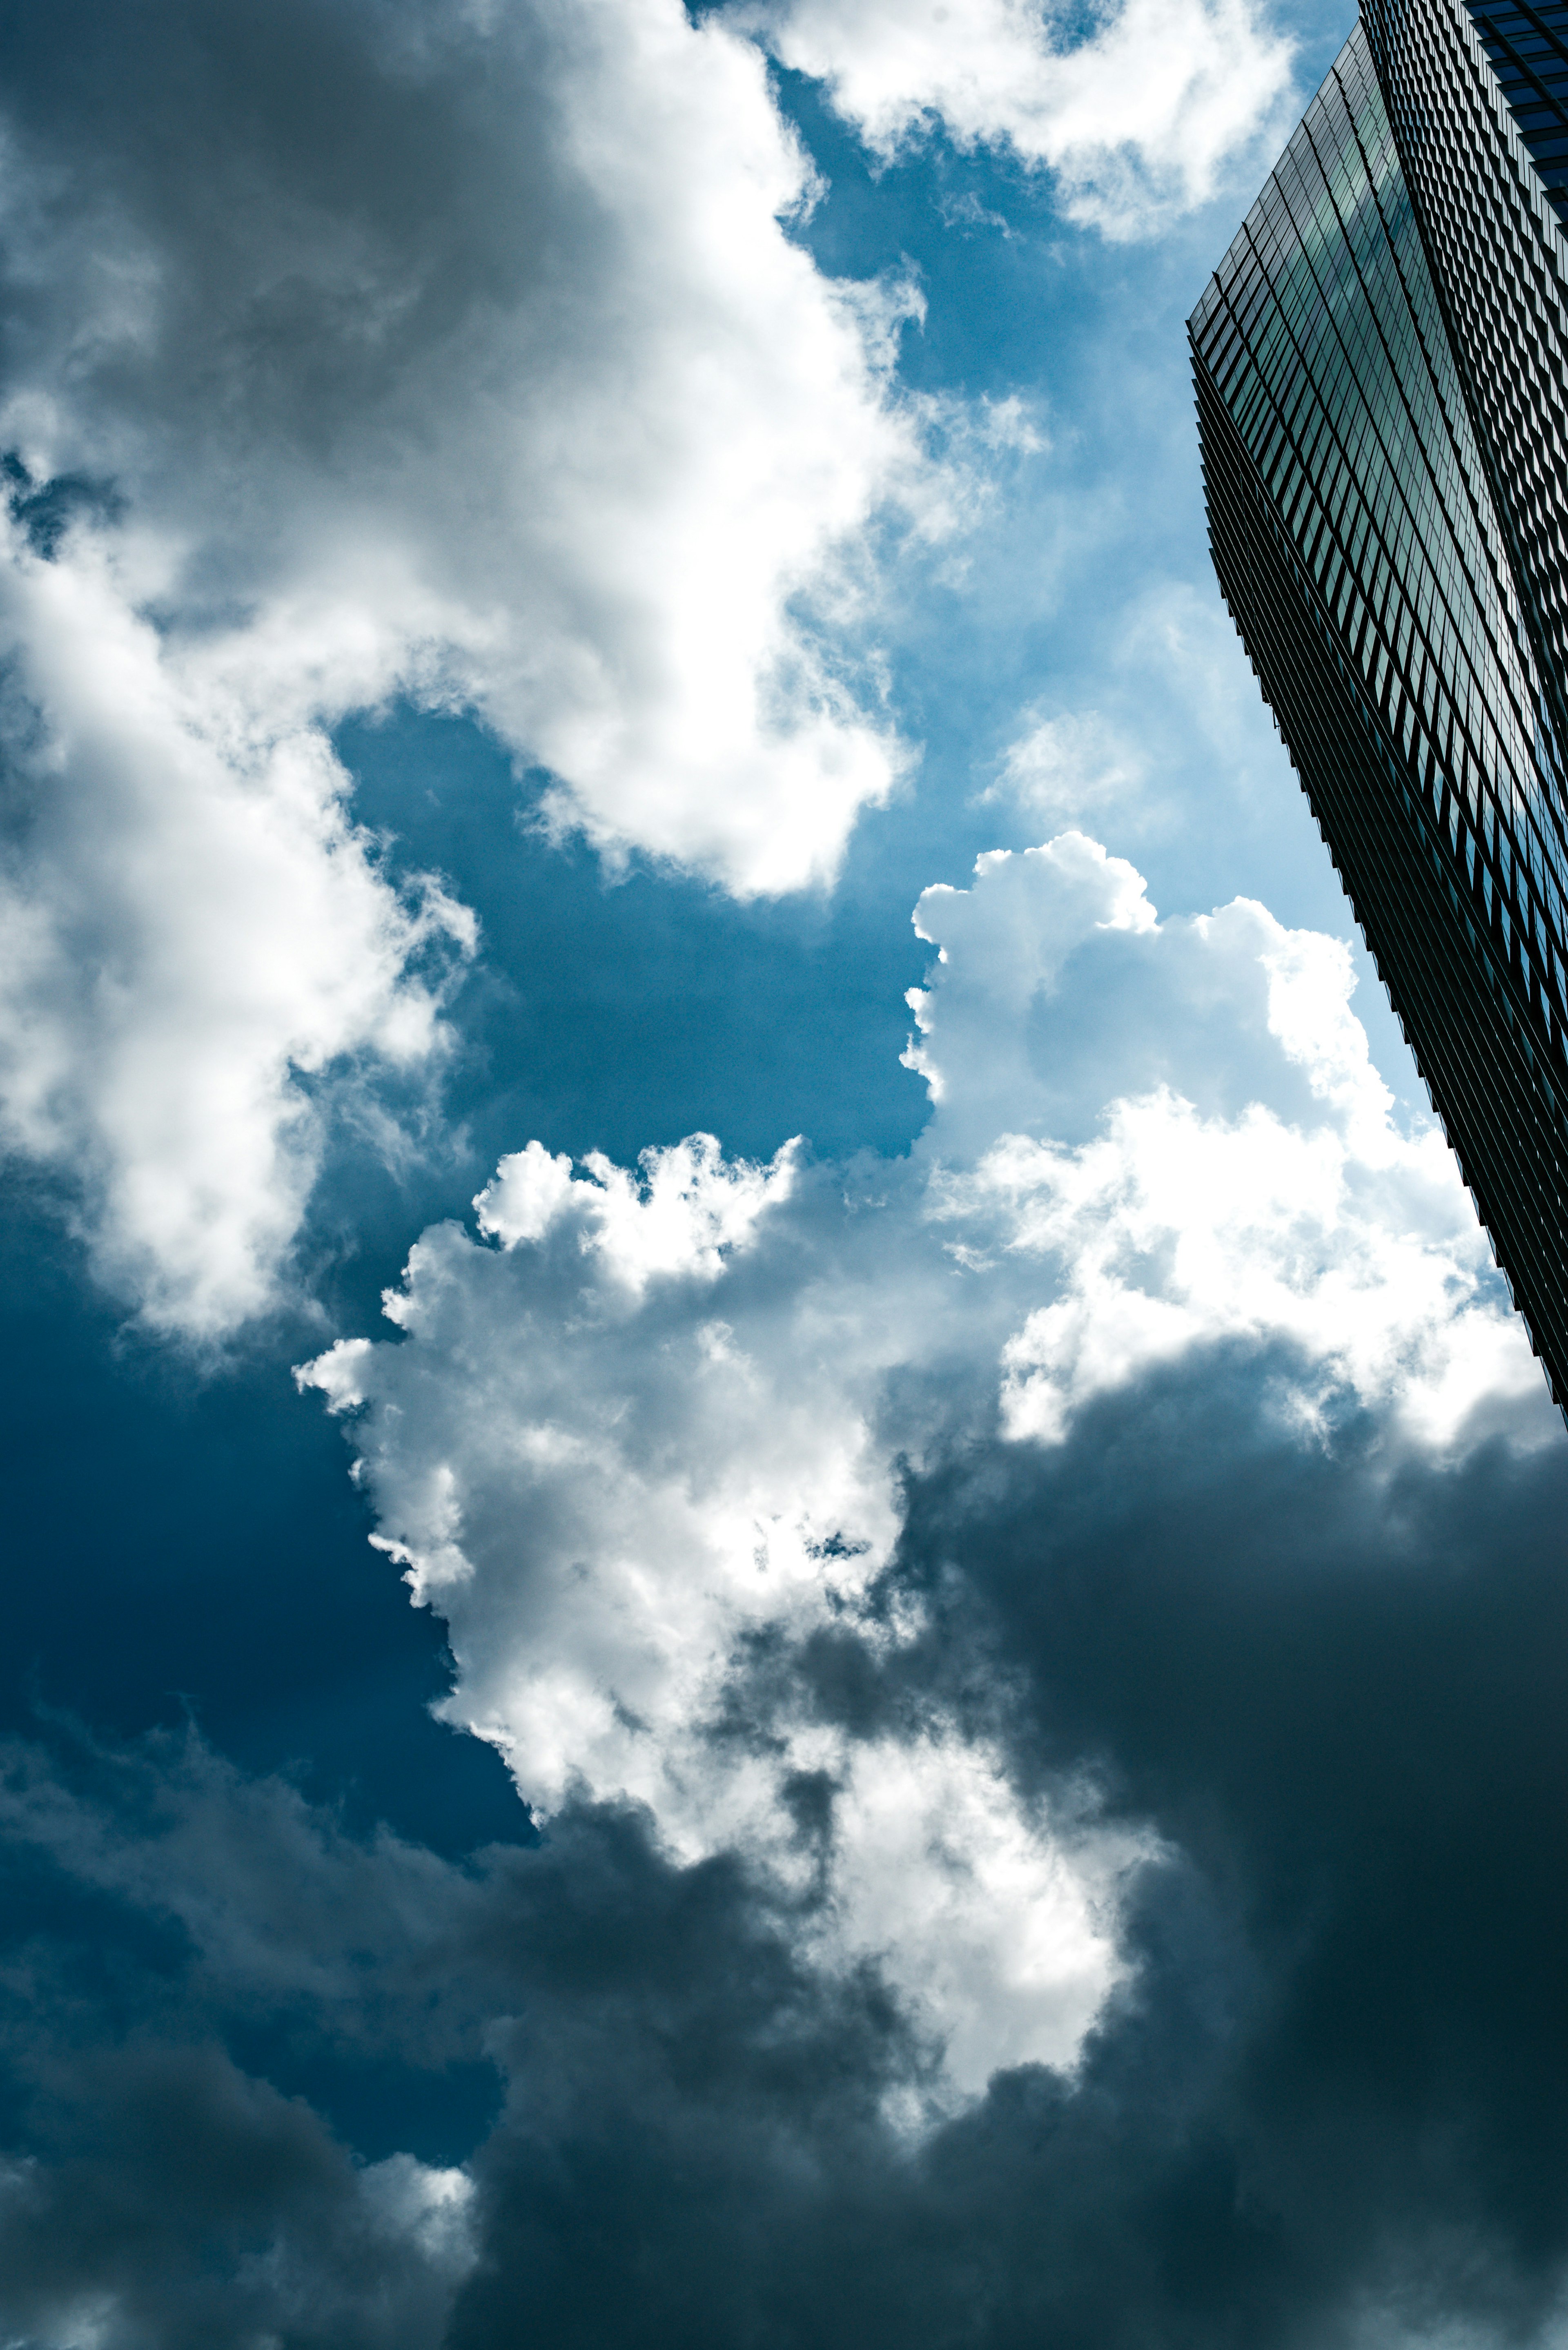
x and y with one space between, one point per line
182 1541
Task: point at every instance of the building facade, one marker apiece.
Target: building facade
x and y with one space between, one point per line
1381 363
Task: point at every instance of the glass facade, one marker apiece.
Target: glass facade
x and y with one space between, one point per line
1501 265
1370 525
1527 49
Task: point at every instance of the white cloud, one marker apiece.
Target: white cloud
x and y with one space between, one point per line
427 349
427 2206
680 1447
1137 120
1069 767
192 925
528 398
1239 1174
648 1423
687 1210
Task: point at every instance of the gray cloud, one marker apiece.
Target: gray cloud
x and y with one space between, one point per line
169 2200
1327 2103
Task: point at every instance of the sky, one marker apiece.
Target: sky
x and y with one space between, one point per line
781 1569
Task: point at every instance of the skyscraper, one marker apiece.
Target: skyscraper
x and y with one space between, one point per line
1382 371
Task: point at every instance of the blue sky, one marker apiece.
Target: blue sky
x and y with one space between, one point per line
978 1756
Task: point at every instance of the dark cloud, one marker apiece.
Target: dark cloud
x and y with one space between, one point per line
1333 1680
198 1966
1331 2102
177 2202
1335 2093
295 200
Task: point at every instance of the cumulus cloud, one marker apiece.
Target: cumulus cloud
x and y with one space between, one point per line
643 1435
192 926
519 394
352 353
1137 118
680 1460
1243 1175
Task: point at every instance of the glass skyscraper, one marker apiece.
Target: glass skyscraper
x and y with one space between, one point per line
1382 371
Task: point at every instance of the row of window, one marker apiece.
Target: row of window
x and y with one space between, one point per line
1322 335
1502 261
1527 50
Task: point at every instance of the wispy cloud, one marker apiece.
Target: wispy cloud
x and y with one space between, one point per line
1137 116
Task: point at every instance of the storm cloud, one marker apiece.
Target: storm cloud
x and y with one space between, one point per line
1323 1680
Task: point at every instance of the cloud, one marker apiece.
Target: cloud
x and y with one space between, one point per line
1163 708
193 927
193 2204
1314 1672
1239 1171
446 353
679 1462
1326 2105
520 393
642 1440
195 1964
1068 767
162 1909
1137 120
1321 1681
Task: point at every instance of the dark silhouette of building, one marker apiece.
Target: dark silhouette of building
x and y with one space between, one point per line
1382 371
